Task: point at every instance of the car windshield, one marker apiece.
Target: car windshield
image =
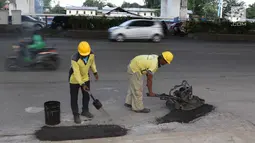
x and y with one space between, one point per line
126 23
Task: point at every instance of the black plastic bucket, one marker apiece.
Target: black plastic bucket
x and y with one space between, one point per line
52 112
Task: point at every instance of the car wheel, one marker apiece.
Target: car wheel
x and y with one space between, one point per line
38 27
156 38
120 38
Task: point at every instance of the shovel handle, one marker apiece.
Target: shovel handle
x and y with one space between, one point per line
91 95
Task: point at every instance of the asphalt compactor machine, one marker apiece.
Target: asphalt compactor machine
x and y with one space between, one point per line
183 105
181 97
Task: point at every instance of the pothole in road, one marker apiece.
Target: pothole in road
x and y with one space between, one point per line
79 132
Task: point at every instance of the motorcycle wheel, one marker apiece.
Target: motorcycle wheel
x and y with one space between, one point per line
11 65
52 65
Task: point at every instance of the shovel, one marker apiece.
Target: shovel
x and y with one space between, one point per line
97 104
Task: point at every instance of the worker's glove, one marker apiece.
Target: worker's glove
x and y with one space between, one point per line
85 87
96 76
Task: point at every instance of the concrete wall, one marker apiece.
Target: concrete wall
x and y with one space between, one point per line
26 6
16 17
170 8
4 17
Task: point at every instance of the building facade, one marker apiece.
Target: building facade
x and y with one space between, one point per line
88 11
92 11
145 12
27 7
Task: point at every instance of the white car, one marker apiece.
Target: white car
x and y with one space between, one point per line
137 29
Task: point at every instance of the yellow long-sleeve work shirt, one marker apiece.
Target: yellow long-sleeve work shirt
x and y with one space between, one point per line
79 71
144 63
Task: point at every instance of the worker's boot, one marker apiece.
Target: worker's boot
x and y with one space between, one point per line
145 110
77 119
128 105
87 114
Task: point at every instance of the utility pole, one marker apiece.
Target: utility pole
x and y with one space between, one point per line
220 8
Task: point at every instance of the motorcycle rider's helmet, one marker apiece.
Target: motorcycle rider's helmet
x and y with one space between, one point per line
84 48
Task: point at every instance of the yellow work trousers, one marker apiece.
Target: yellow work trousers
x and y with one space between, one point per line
135 90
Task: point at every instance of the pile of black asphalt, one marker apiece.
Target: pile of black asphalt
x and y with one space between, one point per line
187 116
65 133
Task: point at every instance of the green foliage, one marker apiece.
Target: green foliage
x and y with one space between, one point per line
223 27
47 3
2 3
130 5
97 3
152 3
58 10
95 23
251 11
207 8
228 4
219 27
110 4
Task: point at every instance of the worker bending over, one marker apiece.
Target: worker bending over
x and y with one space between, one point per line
81 63
139 66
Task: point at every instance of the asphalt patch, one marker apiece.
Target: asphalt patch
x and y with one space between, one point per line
79 132
182 116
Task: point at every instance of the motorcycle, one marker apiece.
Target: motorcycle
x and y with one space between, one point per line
48 58
178 29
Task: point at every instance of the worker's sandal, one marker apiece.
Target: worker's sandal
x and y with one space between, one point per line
87 114
145 110
77 119
128 105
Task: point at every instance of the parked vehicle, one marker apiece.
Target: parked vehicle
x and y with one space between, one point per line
60 22
46 58
49 20
177 28
137 29
29 22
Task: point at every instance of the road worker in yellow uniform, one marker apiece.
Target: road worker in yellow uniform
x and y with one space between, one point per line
139 66
79 78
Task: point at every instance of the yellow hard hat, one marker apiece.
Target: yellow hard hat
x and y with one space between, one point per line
84 48
168 56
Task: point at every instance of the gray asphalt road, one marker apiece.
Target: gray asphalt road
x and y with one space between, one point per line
221 73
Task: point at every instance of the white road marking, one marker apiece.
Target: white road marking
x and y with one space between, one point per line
33 109
106 88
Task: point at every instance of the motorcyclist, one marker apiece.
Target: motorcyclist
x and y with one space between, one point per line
36 45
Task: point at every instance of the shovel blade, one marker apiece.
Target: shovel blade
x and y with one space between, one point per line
97 104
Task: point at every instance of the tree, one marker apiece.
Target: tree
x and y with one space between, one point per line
250 11
47 3
207 8
2 3
210 9
94 3
130 5
228 4
58 10
110 4
152 3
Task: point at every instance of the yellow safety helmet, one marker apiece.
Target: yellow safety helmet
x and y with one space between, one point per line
84 48
168 56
